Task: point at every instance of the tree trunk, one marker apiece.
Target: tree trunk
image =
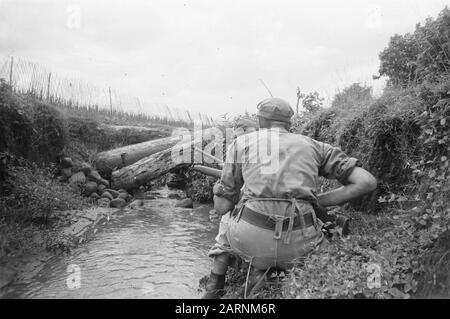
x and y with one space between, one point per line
111 160
144 170
117 158
163 162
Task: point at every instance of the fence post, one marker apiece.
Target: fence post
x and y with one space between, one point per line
11 71
48 85
189 115
110 101
299 96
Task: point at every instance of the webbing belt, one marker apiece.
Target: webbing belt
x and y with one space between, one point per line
295 218
268 222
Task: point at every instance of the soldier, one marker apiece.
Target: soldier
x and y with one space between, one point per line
273 222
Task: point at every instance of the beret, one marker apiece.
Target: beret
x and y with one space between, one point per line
275 109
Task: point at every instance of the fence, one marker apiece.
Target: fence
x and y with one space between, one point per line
32 78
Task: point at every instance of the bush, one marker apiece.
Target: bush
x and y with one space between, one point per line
199 187
30 128
15 127
15 238
435 281
50 133
400 128
320 127
421 56
35 196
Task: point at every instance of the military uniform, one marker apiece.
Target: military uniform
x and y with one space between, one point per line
274 221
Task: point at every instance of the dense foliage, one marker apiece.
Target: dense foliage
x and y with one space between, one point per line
311 102
32 193
355 95
403 138
423 55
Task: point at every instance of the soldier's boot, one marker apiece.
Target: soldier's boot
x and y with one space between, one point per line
215 287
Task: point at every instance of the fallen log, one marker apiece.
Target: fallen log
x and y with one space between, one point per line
144 170
163 162
117 158
114 159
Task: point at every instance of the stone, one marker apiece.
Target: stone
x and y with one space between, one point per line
66 162
122 191
93 175
85 168
118 203
76 166
103 202
94 196
77 178
66 173
136 204
107 195
101 188
123 196
104 182
89 188
113 192
185 203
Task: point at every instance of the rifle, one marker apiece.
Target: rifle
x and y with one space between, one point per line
214 172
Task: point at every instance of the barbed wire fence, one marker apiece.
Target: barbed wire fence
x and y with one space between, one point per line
75 94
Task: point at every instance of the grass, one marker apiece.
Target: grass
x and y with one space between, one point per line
30 204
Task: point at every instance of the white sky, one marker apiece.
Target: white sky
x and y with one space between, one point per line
208 56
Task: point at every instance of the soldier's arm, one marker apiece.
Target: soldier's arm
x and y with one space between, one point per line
227 190
335 164
360 182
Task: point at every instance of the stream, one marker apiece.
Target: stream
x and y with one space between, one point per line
155 251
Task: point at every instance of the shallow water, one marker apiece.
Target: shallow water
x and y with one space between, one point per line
146 253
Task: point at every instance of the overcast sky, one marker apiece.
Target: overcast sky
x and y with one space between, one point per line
209 56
